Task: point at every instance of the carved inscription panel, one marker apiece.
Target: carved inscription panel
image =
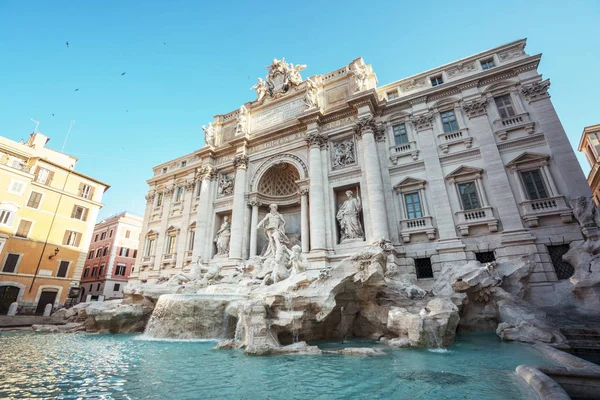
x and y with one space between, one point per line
278 114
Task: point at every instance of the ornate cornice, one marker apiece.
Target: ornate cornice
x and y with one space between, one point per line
475 108
240 161
423 121
536 91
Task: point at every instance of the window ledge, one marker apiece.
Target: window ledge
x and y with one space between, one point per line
474 217
534 209
414 226
520 121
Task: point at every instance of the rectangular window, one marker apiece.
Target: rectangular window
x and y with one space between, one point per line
11 262
423 268
44 176
127 234
392 95
504 105
437 80
449 121
94 271
400 135
164 170
16 187
91 255
6 217
183 164
413 205
110 233
134 254
79 213
563 269
198 188
98 287
86 191
105 252
34 200
71 238
62 269
23 229
534 184
120 271
487 64
179 194
103 236
117 287
159 198
86 272
468 196
98 253
191 242
485 257
96 238
170 244
101 270
150 247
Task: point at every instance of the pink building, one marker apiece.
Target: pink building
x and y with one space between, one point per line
111 257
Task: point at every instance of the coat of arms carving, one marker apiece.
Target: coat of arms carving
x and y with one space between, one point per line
280 79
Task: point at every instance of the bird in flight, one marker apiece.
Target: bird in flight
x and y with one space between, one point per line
76 89
123 73
165 43
67 43
53 115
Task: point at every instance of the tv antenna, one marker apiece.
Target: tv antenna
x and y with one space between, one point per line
37 123
67 137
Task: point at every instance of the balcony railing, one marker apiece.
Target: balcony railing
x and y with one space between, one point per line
520 121
534 209
147 259
169 257
414 226
402 150
188 254
478 216
448 139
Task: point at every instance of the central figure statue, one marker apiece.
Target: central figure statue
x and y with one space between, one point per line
274 226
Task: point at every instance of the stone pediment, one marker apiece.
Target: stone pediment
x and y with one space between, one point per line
410 182
464 170
172 228
151 233
528 157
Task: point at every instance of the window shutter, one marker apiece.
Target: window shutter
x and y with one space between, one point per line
80 194
37 171
66 237
77 239
74 211
50 176
91 195
85 214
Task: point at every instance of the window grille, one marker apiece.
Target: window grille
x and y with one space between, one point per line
563 269
423 267
485 257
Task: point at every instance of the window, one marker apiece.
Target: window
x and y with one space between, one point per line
150 247
170 244
437 80
91 255
23 229
563 269
134 254
159 198
198 188
423 267
183 164
16 187
11 262
124 252
71 238
120 270
485 257
392 95
62 269
101 270
86 191
449 122
164 170
468 195
413 205
127 234
504 105
86 272
191 242
79 213
534 184
94 271
34 200
96 238
110 233
98 253
179 194
117 287
487 64
98 287
105 252
103 236
6 217
44 176
400 135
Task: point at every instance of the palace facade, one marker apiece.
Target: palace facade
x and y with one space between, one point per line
465 161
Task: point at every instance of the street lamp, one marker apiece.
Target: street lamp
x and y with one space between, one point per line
56 250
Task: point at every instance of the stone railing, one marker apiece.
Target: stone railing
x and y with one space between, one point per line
169 256
448 139
414 226
402 150
188 254
478 216
534 209
147 259
519 121
335 74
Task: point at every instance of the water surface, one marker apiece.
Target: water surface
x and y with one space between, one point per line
70 366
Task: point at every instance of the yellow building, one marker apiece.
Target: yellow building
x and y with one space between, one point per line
47 216
590 146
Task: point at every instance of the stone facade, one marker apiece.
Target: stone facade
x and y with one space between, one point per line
465 161
590 146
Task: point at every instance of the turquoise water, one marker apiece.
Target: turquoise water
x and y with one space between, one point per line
74 366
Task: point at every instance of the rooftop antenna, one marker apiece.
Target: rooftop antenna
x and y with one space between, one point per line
37 123
67 137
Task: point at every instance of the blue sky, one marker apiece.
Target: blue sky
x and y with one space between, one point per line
186 61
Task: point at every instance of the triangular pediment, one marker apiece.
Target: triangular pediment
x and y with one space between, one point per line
152 233
193 225
464 170
527 157
172 228
409 182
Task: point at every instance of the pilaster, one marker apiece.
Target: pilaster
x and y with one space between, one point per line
240 163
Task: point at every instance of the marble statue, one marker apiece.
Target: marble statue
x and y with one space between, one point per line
223 236
296 261
274 226
262 88
209 134
348 218
343 154
583 209
225 185
294 73
242 122
360 76
310 98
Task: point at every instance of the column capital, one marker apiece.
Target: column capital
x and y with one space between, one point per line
475 108
189 184
150 196
369 124
254 203
206 172
536 91
423 121
304 191
316 139
240 161
169 190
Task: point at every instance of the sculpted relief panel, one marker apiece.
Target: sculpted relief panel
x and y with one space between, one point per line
343 154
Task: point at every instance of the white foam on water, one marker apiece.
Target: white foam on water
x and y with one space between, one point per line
154 339
439 350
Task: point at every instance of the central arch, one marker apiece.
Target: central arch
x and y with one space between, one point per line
278 159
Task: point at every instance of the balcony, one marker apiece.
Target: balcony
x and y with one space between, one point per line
14 163
188 254
534 209
147 260
519 121
478 216
403 150
169 257
448 139
415 226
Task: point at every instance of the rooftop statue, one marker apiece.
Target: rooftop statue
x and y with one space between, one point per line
280 79
209 134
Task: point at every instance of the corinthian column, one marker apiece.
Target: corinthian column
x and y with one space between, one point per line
317 203
240 163
253 222
207 175
304 227
377 209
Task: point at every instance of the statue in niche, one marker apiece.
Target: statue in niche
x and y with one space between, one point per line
225 185
274 226
223 236
349 218
343 154
242 121
209 134
310 98
360 76
262 88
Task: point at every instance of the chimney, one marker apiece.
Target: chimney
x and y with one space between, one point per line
37 140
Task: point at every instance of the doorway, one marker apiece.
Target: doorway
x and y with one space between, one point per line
46 297
8 295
